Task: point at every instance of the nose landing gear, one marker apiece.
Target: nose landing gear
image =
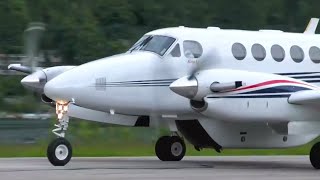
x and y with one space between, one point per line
59 151
170 148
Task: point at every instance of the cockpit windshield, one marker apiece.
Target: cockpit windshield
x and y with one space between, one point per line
154 43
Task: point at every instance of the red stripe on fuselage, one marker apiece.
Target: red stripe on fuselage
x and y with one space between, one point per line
269 83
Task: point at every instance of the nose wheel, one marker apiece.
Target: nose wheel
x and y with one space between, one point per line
170 148
59 151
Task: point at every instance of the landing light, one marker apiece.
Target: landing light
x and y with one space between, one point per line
61 109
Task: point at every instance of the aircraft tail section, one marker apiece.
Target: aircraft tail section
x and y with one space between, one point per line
312 26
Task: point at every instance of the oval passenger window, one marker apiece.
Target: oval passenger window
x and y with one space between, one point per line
239 51
314 54
278 53
297 54
258 52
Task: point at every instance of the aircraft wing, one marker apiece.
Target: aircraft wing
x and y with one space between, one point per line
308 97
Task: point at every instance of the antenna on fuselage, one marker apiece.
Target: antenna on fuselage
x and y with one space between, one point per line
312 26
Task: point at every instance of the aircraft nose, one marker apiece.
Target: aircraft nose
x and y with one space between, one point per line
56 89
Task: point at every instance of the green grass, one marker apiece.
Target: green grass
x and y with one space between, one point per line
95 140
126 149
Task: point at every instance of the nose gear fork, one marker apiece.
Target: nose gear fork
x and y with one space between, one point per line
63 119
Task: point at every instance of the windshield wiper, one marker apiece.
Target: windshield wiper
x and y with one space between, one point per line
143 43
146 41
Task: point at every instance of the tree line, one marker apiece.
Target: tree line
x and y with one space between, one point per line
82 30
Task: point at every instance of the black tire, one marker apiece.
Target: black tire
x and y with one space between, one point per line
170 148
315 156
62 157
160 148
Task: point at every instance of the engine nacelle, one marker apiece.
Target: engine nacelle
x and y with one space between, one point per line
207 82
235 95
217 87
222 82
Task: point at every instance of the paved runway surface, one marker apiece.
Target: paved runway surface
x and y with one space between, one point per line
198 168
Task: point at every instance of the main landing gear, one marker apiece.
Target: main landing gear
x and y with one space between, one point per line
315 156
59 151
170 148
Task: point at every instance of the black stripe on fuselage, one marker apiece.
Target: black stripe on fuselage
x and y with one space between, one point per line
138 83
134 85
311 81
308 77
254 96
167 82
143 81
298 73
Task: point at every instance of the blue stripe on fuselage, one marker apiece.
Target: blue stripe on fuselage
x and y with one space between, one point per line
279 89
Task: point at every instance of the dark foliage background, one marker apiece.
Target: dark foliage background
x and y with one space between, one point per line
83 30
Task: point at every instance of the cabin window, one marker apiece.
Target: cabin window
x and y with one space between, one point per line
297 54
314 54
192 49
258 52
278 53
176 51
239 51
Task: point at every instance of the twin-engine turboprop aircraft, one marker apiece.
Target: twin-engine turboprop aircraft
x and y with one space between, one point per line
215 88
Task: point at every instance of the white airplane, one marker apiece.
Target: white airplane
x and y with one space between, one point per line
216 88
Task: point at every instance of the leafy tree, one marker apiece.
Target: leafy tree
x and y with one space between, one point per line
13 18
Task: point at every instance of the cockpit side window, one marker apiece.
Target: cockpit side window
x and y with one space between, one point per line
176 51
192 49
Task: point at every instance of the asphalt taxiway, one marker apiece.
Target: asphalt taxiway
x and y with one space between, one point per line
193 168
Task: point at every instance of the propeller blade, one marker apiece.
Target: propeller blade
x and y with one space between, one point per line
194 67
33 35
19 68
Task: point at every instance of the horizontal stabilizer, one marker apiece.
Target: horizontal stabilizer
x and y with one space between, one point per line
312 26
309 97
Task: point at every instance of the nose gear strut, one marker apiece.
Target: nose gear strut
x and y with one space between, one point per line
63 118
59 151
